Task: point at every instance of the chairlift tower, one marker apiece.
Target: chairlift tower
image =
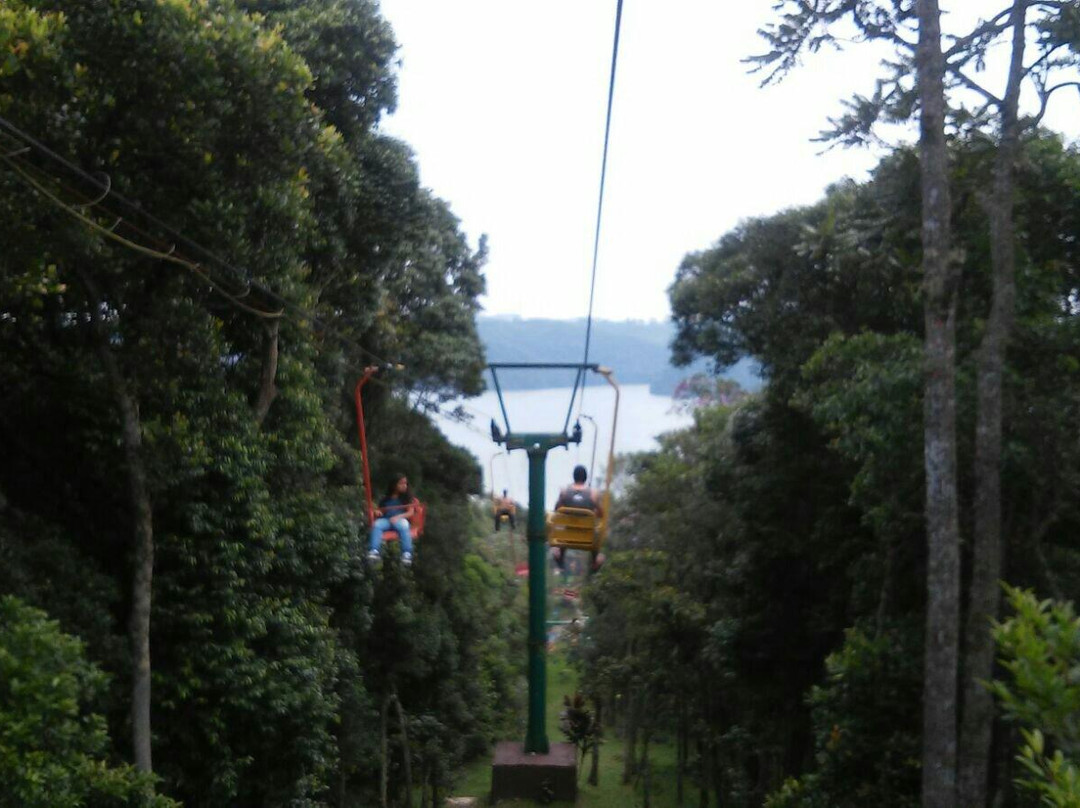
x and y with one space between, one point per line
537 445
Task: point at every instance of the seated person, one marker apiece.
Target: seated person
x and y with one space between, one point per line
504 506
579 495
393 513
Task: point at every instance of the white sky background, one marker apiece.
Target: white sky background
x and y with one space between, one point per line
504 102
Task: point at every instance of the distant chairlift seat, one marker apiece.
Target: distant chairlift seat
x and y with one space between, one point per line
568 528
575 529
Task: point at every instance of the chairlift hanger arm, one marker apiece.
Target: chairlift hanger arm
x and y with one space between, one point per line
362 433
581 368
539 365
570 410
542 441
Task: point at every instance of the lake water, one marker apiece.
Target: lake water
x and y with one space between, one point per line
642 416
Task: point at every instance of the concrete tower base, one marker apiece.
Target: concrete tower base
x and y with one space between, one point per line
543 778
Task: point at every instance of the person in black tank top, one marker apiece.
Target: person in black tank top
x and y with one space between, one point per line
578 495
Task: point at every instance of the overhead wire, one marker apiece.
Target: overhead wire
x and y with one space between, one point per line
180 238
26 142
166 251
603 178
134 246
581 377
600 201
26 173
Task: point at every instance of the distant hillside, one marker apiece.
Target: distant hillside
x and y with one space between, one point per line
638 351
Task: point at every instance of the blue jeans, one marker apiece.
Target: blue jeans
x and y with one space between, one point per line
400 524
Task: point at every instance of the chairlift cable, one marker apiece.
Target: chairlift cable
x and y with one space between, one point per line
600 201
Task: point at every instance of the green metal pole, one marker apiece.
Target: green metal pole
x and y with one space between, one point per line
536 734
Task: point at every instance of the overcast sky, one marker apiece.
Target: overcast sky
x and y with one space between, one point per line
503 102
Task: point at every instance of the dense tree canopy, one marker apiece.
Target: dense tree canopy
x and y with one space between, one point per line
206 237
790 526
181 490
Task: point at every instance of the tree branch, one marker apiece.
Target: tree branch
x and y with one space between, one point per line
973 85
1045 94
1046 55
267 389
991 27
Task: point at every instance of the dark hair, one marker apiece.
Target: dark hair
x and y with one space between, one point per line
505 492
580 474
391 489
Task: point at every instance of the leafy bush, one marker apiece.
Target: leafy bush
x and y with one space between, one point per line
1039 648
578 724
866 726
51 749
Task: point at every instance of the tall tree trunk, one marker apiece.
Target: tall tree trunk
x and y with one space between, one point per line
267 388
703 796
939 412
885 595
646 767
341 786
384 773
680 756
594 769
715 771
143 573
143 529
630 742
976 729
403 727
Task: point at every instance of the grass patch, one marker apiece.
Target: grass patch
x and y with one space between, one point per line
610 792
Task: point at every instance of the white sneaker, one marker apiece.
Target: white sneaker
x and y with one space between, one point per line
373 555
406 559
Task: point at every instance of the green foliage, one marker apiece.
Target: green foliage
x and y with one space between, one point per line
28 42
799 513
776 288
687 607
251 128
578 725
53 752
1039 647
866 725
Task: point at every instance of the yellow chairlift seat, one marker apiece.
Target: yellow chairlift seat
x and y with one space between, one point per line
567 528
504 510
575 529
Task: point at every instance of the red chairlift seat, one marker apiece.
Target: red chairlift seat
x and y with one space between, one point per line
416 521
